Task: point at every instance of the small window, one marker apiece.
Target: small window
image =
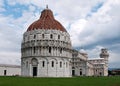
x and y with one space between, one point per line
39 50
34 50
60 64
49 49
60 50
42 35
52 64
43 64
58 36
51 36
34 36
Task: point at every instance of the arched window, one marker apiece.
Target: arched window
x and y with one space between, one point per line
49 49
5 72
52 64
27 64
42 35
60 64
58 36
96 70
34 62
43 64
51 36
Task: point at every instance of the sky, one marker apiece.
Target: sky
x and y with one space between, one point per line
92 25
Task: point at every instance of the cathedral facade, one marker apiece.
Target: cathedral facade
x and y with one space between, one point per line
46 51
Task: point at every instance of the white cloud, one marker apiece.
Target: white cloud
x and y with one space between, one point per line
2 6
76 29
100 26
62 20
38 3
84 30
95 52
114 57
10 58
11 36
7 37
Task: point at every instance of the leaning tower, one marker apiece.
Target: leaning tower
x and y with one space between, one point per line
104 54
46 48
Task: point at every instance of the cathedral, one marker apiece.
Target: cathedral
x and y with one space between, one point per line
46 51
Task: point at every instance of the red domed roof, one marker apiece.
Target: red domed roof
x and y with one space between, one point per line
46 21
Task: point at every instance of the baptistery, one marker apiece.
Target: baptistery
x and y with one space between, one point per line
46 48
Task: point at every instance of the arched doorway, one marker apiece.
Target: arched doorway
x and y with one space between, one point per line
34 67
100 74
34 71
80 73
73 71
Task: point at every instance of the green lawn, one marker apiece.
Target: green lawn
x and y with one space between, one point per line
74 81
